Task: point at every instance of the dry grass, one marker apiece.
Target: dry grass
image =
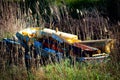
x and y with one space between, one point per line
90 25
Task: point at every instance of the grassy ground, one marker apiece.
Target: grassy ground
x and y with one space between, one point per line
64 71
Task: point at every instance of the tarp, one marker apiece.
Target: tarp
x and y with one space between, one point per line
56 37
10 41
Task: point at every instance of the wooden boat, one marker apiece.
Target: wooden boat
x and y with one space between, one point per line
105 45
49 38
56 44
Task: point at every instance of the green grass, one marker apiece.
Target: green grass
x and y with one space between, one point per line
80 71
6 35
63 70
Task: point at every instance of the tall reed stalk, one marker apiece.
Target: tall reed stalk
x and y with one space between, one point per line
89 25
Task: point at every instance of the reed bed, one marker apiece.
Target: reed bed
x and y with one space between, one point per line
89 25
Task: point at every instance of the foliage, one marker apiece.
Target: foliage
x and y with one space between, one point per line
64 71
6 35
79 4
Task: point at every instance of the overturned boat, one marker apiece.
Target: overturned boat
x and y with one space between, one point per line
48 42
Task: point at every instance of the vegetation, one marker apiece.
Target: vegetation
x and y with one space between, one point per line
64 71
87 24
